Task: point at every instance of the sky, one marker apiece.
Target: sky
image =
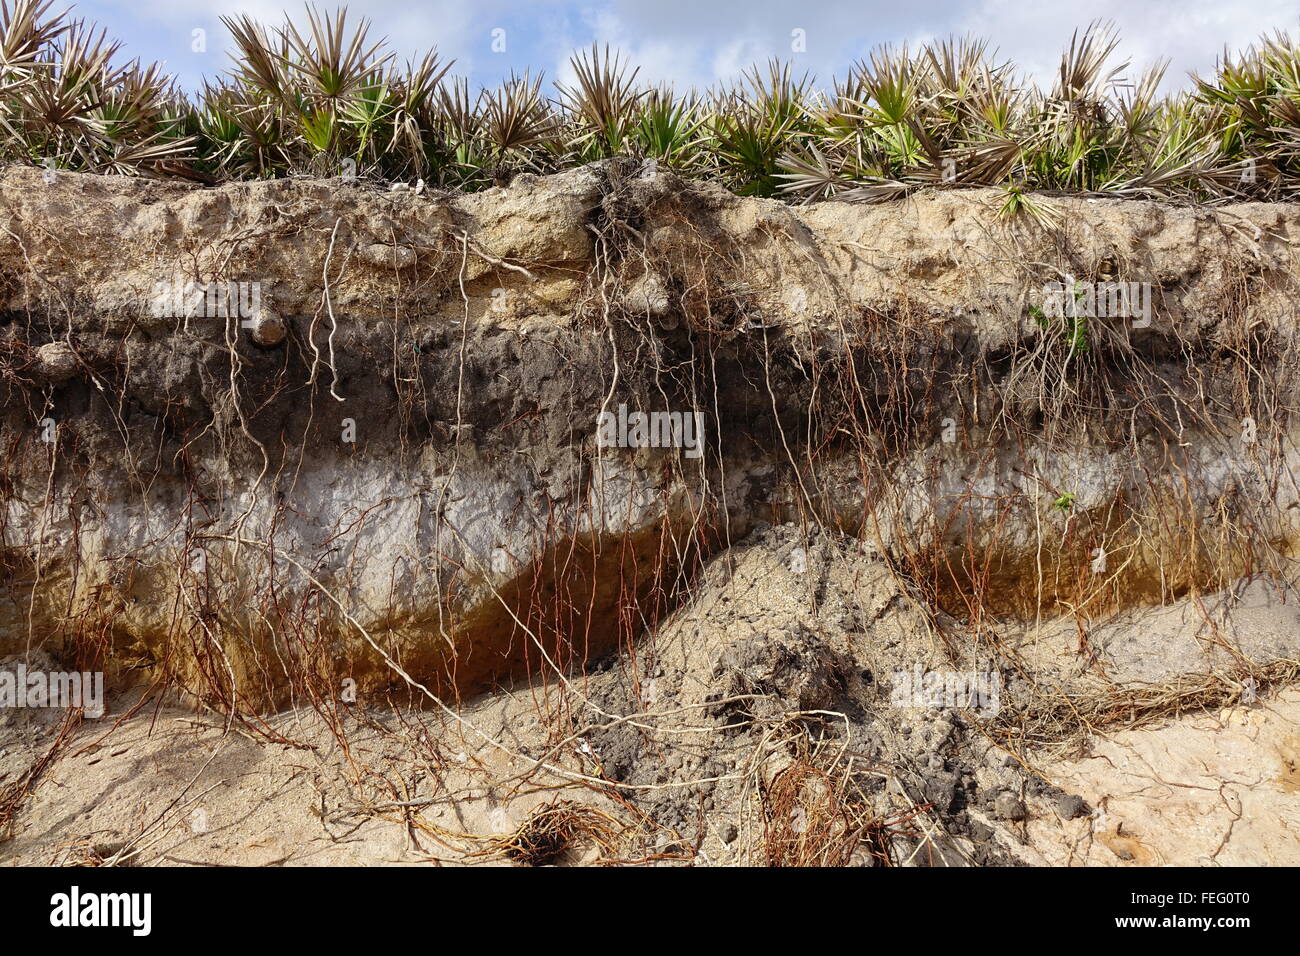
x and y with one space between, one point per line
702 42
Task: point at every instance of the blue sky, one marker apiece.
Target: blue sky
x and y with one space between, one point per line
699 42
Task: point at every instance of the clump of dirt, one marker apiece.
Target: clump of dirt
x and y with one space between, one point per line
553 830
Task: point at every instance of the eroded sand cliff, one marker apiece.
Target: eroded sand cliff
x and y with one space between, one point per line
387 481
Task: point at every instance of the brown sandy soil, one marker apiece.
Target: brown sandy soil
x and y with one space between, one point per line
172 789
678 752
1208 789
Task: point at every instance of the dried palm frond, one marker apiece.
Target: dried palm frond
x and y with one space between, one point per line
23 35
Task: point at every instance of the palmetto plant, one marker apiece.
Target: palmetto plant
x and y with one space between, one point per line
754 125
25 31
1255 99
601 105
53 112
413 123
670 128
464 149
328 84
66 101
519 127
312 95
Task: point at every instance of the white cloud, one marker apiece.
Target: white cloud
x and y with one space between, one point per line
699 42
1190 33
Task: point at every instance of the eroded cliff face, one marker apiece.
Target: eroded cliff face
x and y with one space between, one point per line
389 470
